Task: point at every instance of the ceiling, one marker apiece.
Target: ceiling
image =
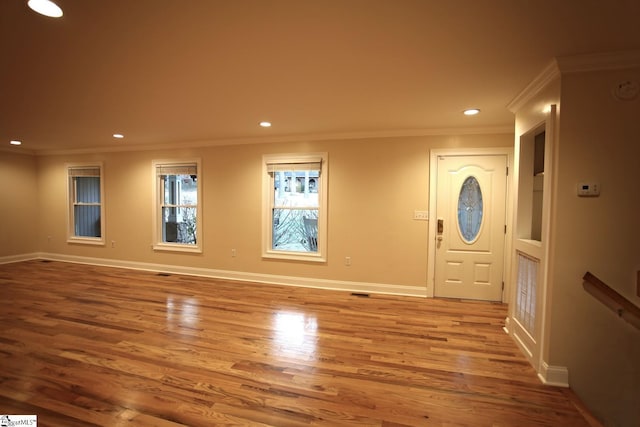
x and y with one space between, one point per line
208 71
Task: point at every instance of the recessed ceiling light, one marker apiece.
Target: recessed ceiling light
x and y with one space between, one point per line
15 142
265 124
118 135
471 112
45 7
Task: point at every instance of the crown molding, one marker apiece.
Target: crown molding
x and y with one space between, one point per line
546 76
599 61
494 130
18 150
575 64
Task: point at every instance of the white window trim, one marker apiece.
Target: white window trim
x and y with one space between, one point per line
158 244
267 195
71 237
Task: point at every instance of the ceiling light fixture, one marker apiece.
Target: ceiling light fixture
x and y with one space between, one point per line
118 135
471 111
15 142
265 124
45 7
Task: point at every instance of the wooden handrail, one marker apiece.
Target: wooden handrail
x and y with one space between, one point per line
612 299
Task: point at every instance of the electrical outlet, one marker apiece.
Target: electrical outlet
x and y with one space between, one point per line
347 261
233 253
113 243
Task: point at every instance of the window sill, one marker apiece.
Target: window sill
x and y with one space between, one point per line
529 247
294 256
537 243
86 241
176 247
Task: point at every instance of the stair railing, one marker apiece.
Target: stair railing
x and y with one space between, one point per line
612 299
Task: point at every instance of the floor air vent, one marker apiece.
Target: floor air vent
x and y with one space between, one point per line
359 295
164 274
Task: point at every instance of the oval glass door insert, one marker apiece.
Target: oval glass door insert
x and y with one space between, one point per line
470 209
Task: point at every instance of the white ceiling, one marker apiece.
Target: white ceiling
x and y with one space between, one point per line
186 71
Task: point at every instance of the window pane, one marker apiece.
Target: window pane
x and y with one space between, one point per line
176 213
179 209
180 190
87 221
295 230
179 225
470 209
86 218
296 189
87 189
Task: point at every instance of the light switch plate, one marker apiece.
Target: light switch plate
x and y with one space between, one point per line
421 215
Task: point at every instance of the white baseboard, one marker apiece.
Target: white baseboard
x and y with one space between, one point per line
554 375
507 324
307 282
19 258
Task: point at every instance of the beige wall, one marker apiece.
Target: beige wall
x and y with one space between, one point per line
374 187
599 140
19 213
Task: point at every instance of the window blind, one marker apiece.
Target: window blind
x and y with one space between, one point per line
84 171
315 165
177 169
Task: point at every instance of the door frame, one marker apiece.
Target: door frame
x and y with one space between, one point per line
433 188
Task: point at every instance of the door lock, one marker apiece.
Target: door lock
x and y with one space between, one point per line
440 228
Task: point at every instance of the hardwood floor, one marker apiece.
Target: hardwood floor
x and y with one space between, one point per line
83 345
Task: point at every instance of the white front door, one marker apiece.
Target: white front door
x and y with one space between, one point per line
470 230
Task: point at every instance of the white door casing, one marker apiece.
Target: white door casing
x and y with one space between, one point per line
470 266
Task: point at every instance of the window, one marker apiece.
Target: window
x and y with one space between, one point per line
295 194
176 209
86 210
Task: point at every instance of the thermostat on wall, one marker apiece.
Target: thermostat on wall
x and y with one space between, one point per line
588 189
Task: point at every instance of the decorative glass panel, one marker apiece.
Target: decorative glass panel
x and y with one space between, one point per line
470 209
525 310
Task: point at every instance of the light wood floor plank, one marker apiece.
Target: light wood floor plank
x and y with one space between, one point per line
87 345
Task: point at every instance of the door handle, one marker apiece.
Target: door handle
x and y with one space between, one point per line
440 228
